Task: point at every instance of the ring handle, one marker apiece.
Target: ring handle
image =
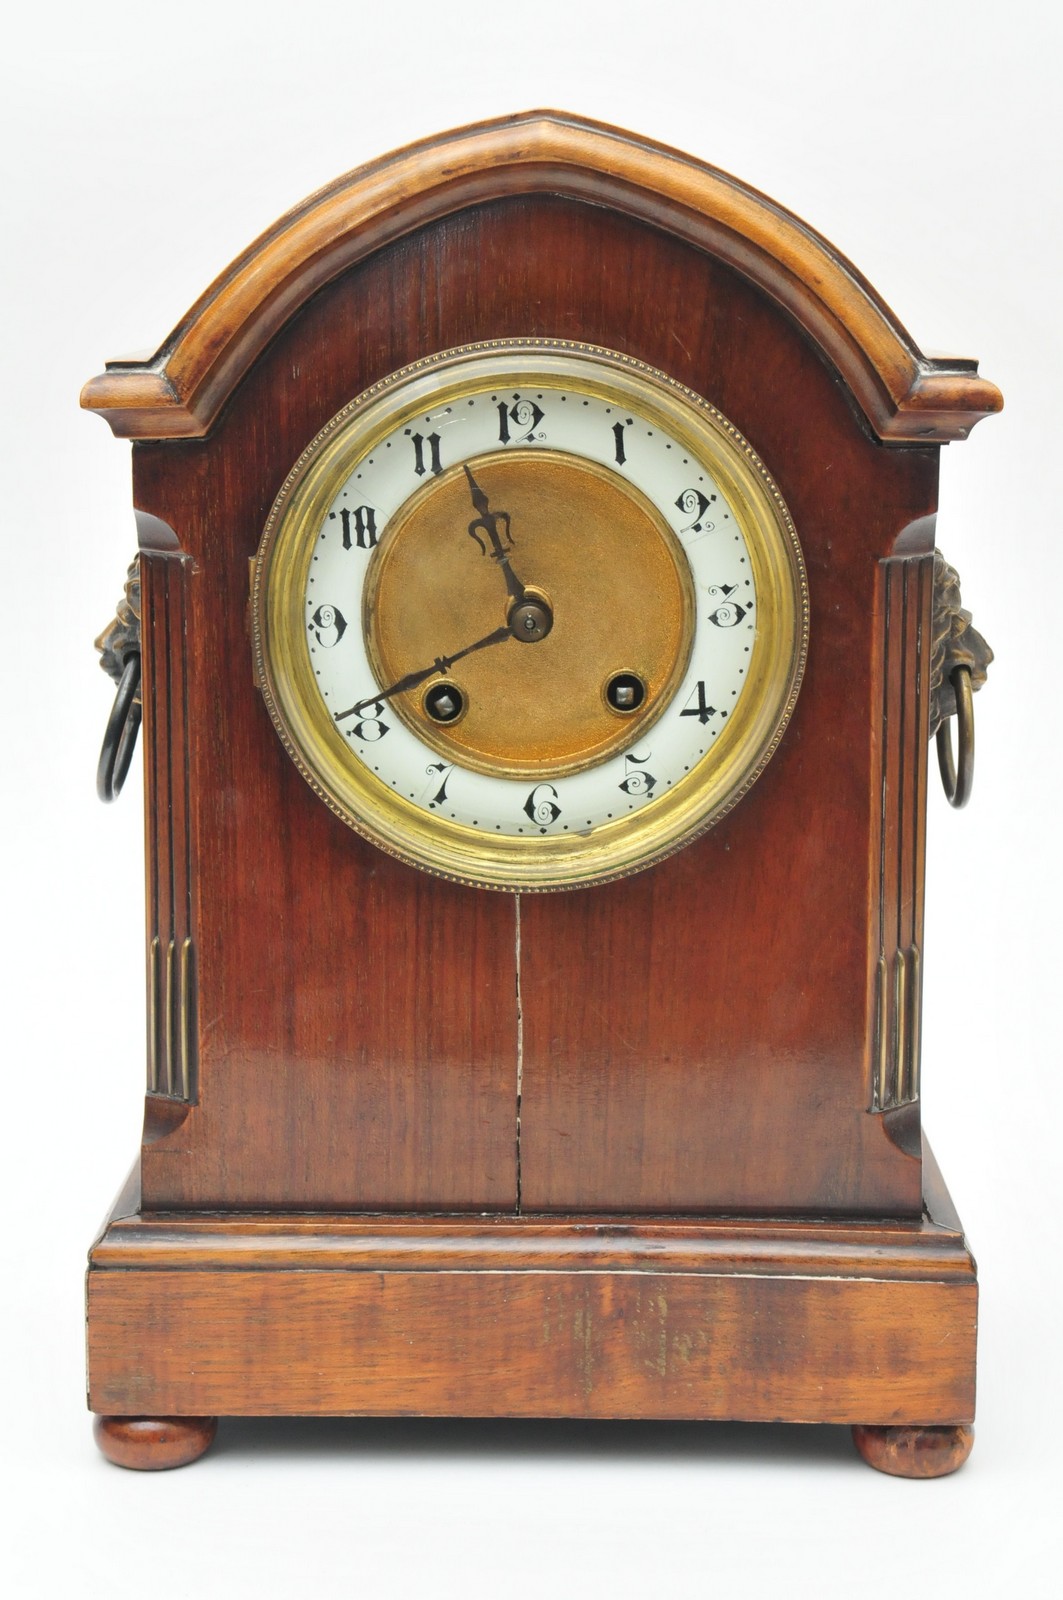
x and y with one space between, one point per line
957 775
120 737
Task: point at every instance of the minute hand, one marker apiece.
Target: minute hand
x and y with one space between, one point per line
441 664
488 520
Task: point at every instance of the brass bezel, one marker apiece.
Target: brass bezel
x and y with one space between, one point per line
451 850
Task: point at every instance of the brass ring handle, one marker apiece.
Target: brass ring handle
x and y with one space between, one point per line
957 776
121 736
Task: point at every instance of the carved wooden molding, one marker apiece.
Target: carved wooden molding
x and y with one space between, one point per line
229 1304
178 393
171 985
906 591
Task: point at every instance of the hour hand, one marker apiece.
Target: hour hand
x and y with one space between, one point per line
490 526
489 521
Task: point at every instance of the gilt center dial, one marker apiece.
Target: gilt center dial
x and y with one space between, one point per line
586 575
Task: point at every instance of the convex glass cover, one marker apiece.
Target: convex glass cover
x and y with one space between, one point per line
529 614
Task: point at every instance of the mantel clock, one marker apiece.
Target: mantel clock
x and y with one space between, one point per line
537 632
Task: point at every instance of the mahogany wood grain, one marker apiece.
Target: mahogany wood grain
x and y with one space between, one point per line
445 1180
700 1036
930 1246
914 1452
154 1444
813 1322
590 1345
357 1021
183 388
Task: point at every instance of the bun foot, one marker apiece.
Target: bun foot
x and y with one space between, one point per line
152 1444
914 1452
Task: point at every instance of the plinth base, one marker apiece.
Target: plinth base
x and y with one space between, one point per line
192 1316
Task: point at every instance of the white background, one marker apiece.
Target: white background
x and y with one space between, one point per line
143 147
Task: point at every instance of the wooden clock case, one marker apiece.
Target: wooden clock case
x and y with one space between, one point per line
649 1149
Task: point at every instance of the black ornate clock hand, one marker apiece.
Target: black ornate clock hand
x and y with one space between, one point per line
441 664
488 520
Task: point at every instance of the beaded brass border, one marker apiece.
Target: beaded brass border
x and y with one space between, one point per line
447 849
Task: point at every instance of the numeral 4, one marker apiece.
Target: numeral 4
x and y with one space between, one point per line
698 706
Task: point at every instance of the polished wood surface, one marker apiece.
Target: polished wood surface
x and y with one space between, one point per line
914 1452
180 392
469 1152
576 1317
154 1444
356 1039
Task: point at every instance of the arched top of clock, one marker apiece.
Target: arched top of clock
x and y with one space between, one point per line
906 396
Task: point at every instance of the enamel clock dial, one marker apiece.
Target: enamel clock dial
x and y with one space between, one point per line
529 615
